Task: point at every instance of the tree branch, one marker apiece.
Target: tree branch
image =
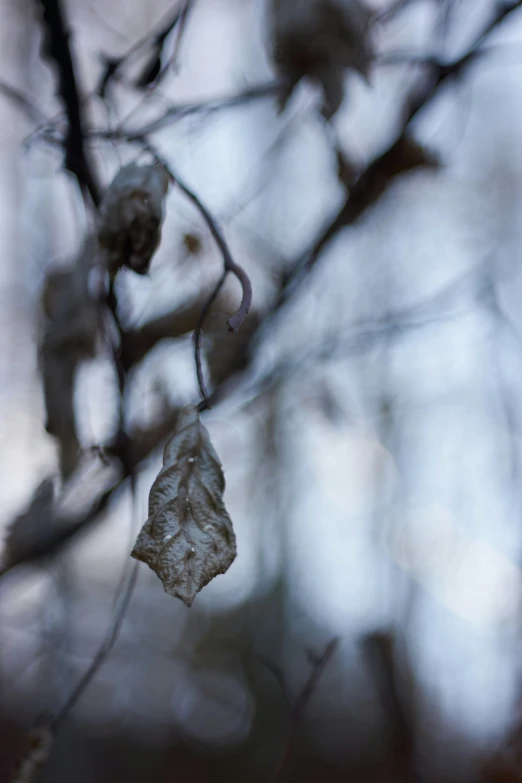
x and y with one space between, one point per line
57 48
381 172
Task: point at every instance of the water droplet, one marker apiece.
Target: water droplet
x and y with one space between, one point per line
192 549
167 538
208 527
192 459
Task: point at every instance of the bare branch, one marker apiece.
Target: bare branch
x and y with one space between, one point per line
229 266
175 113
105 648
57 48
301 703
24 103
380 173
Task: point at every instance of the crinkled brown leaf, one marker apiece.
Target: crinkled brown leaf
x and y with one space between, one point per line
188 538
321 39
131 214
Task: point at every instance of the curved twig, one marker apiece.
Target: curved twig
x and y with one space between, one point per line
228 262
229 265
205 405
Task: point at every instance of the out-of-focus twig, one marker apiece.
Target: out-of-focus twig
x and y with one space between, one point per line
101 655
41 739
175 113
229 266
57 48
380 173
301 703
155 38
395 8
21 101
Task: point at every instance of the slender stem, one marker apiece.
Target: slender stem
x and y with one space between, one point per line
198 334
301 703
58 49
101 655
228 262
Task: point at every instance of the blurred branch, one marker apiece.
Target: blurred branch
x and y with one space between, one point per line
41 738
229 266
301 703
393 9
177 322
156 39
174 113
379 650
401 156
57 48
23 103
56 531
101 655
38 747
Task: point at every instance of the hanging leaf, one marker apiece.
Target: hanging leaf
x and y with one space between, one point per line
320 39
131 214
36 753
188 538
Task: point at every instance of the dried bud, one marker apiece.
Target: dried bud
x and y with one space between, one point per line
131 214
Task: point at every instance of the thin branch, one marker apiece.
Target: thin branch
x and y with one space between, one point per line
396 7
57 48
105 648
229 264
60 533
174 113
198 336
41 738
301 703
379 174
23 103
156 37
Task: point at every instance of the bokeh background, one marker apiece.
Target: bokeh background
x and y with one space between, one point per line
370 437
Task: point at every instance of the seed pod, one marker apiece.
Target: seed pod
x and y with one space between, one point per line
131 214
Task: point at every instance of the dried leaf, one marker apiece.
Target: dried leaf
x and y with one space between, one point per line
131 214
188 538
321 39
